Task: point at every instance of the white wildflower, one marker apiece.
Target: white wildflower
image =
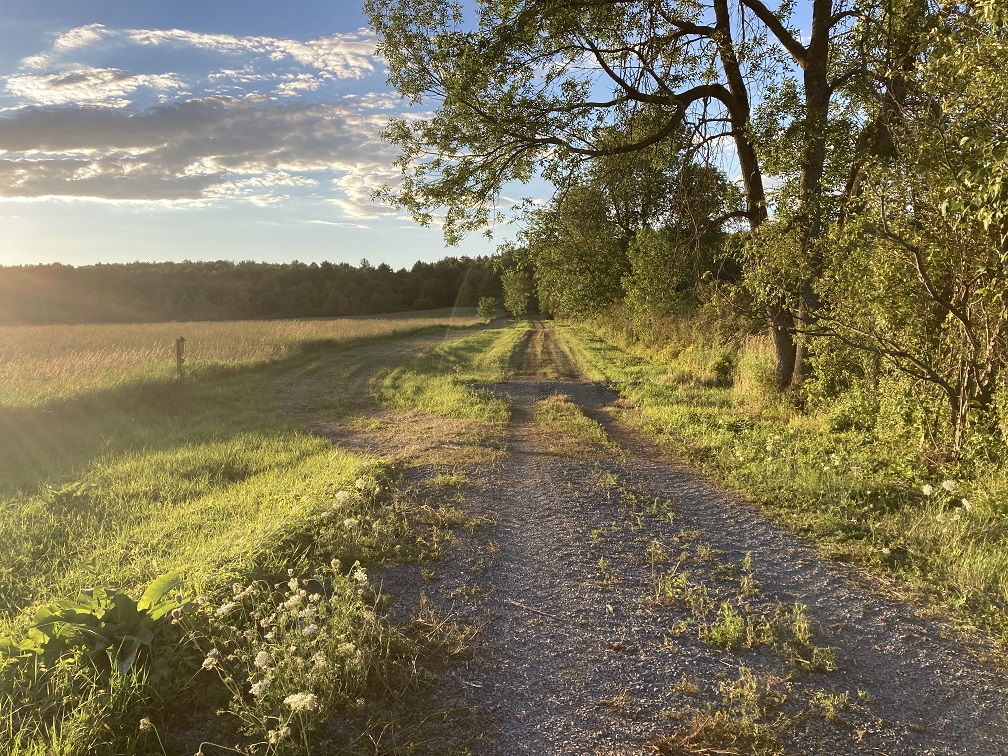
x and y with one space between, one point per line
342 497
319 660
949 485
293 584
347 649
326 515
926 489
226 609
940 517
335 564
350 522
275 736
967 506
310 630
146 725
301 702
359 573
212 659
361 484
315 597
258 688
293 601
270 635
262 659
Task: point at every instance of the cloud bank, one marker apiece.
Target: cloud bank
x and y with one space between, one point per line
181 116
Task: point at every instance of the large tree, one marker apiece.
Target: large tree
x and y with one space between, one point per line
527 86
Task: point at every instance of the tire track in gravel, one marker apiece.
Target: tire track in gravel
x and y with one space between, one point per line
574 657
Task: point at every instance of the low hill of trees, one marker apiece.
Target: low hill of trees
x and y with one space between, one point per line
223 290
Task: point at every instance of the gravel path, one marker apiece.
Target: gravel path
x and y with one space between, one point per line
581 651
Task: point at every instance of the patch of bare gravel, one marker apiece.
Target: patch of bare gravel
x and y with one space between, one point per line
575 657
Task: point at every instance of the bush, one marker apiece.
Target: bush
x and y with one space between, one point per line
486 308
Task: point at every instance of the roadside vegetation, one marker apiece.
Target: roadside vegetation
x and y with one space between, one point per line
170 550
40 364
853 471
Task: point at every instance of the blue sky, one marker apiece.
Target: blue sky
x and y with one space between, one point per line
197 130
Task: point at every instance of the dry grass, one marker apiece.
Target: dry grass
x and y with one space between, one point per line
39 364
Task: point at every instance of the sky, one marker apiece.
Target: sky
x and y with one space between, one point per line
198 130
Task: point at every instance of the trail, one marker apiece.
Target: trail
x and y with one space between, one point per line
581 652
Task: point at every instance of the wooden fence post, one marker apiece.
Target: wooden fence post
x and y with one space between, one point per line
180 354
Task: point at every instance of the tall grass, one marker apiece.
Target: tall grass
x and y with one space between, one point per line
39 364
865 492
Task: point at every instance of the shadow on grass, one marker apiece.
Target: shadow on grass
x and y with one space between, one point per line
49 445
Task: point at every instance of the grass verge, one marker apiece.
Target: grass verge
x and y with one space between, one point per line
197 551
865 496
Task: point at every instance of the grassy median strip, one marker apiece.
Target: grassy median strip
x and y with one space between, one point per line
449 381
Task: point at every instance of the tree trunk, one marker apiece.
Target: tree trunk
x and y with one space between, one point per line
810 212
785 348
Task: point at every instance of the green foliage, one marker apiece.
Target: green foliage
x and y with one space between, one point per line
104 623
486 308
518 290
917 275
222 290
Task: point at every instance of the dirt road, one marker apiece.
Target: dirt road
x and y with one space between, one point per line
628 605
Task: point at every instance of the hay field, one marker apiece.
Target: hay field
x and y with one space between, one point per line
40 364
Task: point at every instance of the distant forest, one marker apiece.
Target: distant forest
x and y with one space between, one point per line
223 290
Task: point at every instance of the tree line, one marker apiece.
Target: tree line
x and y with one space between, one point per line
223 290
865 225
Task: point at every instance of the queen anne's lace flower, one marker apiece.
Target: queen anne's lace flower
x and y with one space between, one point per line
262 659
926 489
301 702
950 485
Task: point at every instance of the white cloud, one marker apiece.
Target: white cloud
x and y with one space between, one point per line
213 148
101 87
249 118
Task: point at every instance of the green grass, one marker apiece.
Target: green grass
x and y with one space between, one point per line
859 494
569 431
118 483
446 381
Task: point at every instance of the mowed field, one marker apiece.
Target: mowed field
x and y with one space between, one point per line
150 528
